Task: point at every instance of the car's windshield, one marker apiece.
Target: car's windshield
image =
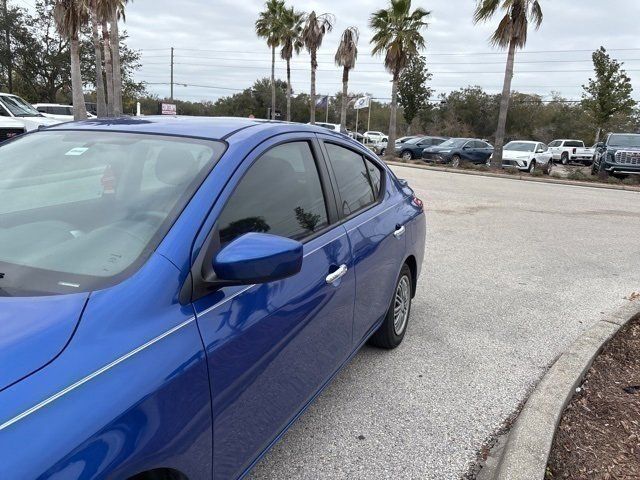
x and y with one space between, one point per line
520 147
79 210
18 107
453 143
624 140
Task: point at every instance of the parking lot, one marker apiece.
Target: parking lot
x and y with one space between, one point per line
514 272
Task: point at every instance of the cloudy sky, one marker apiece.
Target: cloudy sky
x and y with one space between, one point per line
218 53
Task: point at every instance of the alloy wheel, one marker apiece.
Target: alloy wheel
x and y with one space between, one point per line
401 305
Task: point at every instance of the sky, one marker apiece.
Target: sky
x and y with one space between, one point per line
217 52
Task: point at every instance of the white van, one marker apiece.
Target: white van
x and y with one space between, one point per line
23 112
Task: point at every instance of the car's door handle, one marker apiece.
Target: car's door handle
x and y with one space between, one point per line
337 275
399 232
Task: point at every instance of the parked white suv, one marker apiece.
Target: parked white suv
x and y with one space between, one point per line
375 137
23 112
567 151
527 155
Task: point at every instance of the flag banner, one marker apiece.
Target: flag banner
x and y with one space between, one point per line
322 102
362 102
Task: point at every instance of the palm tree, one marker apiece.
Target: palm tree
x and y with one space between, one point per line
346 58
291 41
104 12
101 99
511 33
70 16
268 27
397 33
315 28
117 12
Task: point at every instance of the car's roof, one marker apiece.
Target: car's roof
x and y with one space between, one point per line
567 140
524 141
52 105
214 128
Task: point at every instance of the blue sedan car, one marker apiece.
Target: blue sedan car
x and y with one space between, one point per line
174 292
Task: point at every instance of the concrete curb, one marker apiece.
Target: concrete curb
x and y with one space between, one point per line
525 452
525 178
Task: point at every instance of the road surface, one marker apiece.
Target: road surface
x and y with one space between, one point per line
514 272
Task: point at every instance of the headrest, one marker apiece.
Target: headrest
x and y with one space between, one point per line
176 166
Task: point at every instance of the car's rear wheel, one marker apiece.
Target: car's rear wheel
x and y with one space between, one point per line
406 155
455 161
383 152
564 159
549 167
392 330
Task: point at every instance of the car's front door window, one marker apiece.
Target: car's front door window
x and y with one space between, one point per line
281 194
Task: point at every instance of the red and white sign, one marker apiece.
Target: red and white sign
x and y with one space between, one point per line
168 109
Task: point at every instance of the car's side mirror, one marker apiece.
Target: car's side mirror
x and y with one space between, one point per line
258 258
540 150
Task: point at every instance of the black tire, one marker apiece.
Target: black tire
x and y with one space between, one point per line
406 155
387 336
602 173
455 161
594 171
382 152
532 166
564 158
548 168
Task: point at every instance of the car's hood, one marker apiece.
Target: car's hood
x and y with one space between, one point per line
32 123
517 155
626 149
33 331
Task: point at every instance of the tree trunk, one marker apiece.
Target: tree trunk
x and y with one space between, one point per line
101 102
273 82
288 90
312 109
117 71
79 108
108 67
345 93
393 112
496 162
7 39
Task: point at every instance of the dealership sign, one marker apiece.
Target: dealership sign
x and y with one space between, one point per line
168 109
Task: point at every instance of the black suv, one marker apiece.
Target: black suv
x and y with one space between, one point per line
619 154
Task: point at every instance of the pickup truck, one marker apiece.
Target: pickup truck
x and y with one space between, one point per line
618 154
566 151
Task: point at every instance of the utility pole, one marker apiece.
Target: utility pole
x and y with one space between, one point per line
7 37
171 71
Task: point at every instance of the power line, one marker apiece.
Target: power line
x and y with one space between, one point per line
523 52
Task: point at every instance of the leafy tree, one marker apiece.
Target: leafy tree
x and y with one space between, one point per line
512 34
70 16
413 92
291 41
268 26
315 28
346 57
608 95
397 34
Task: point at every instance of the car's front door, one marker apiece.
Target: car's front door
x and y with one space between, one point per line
470 152
271 347
375 218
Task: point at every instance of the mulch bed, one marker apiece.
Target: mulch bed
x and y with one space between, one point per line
599 435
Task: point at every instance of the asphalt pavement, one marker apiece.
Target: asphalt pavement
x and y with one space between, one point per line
514 272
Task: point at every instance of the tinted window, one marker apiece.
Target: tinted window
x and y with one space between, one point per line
555 143
574 144
479 144
281 194
520 147
353 180
374 177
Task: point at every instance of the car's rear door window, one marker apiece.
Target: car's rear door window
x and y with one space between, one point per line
280 194
356 186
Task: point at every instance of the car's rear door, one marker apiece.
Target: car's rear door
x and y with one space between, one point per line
271 347
375 215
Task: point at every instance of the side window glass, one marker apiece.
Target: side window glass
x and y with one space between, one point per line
375 177
353 180
280 194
